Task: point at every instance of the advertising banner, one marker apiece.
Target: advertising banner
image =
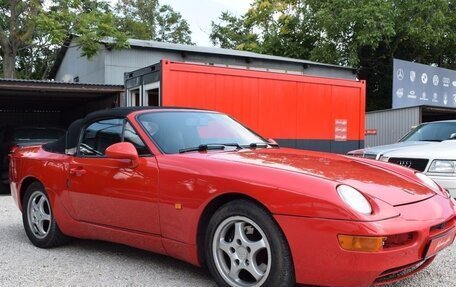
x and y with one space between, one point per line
417 85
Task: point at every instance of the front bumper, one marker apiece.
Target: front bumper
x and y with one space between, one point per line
447 182
319 259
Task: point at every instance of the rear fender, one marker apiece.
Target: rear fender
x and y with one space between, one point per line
34 164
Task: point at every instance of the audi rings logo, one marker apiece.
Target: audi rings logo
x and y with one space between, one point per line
405 163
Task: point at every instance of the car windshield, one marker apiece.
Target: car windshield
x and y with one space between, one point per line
177 131
435 132
32 134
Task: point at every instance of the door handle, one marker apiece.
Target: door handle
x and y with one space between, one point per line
77 171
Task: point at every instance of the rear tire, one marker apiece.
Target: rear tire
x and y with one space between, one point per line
38 218
245 247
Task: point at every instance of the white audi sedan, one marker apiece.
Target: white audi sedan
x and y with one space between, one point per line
437 160
430 148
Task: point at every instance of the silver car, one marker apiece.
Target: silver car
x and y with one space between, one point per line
430 148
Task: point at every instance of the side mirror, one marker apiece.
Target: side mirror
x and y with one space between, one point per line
452 136
125 151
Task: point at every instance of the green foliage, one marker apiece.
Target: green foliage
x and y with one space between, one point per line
91 21
137 18
272 27
171 27
365 34
233 33
147 20
35 61
32 31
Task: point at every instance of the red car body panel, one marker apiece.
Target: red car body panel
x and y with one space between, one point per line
108 190
358 268
158 205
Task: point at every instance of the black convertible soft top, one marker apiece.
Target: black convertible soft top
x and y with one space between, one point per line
68 143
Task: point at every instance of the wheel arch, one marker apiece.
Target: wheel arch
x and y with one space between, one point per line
26 182
209 211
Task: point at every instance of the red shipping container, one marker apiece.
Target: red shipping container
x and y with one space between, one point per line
297 111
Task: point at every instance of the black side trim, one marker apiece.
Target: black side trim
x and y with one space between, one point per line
341 147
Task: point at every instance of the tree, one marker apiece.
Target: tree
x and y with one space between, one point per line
280 28
31 27
148 20
16 31
232 32
171 27
365 34
137 18
36 61
369 34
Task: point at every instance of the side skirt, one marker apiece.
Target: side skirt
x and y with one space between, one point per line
145 241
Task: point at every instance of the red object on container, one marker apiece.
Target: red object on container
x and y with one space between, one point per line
296 110
371 132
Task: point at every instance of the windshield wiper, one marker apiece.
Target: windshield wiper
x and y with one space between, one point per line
256 145
210 146
260 145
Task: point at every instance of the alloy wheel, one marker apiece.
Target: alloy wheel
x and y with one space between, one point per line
241 251
39 214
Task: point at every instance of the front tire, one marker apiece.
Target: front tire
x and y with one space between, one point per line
38 219
245 247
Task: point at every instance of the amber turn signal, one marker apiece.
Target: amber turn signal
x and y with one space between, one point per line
361 243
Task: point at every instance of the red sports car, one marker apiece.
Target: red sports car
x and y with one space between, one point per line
198 186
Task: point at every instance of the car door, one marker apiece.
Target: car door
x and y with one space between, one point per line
107 191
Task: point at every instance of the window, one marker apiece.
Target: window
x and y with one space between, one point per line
213 131
153 97
100 135
131 136
435 132
134 98
176 131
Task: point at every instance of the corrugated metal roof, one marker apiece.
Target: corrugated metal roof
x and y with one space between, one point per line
413 107
26 81
217 51
38 87
149 44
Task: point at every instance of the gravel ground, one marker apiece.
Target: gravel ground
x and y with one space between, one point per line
94 263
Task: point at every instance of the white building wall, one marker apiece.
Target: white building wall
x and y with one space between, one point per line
109 66
75 65
119 62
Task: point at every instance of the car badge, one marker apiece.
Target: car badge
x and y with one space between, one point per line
405 163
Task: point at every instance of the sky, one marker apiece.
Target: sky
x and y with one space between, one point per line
200 13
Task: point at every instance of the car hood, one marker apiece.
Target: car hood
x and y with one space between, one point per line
373 180
440 150
376 150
